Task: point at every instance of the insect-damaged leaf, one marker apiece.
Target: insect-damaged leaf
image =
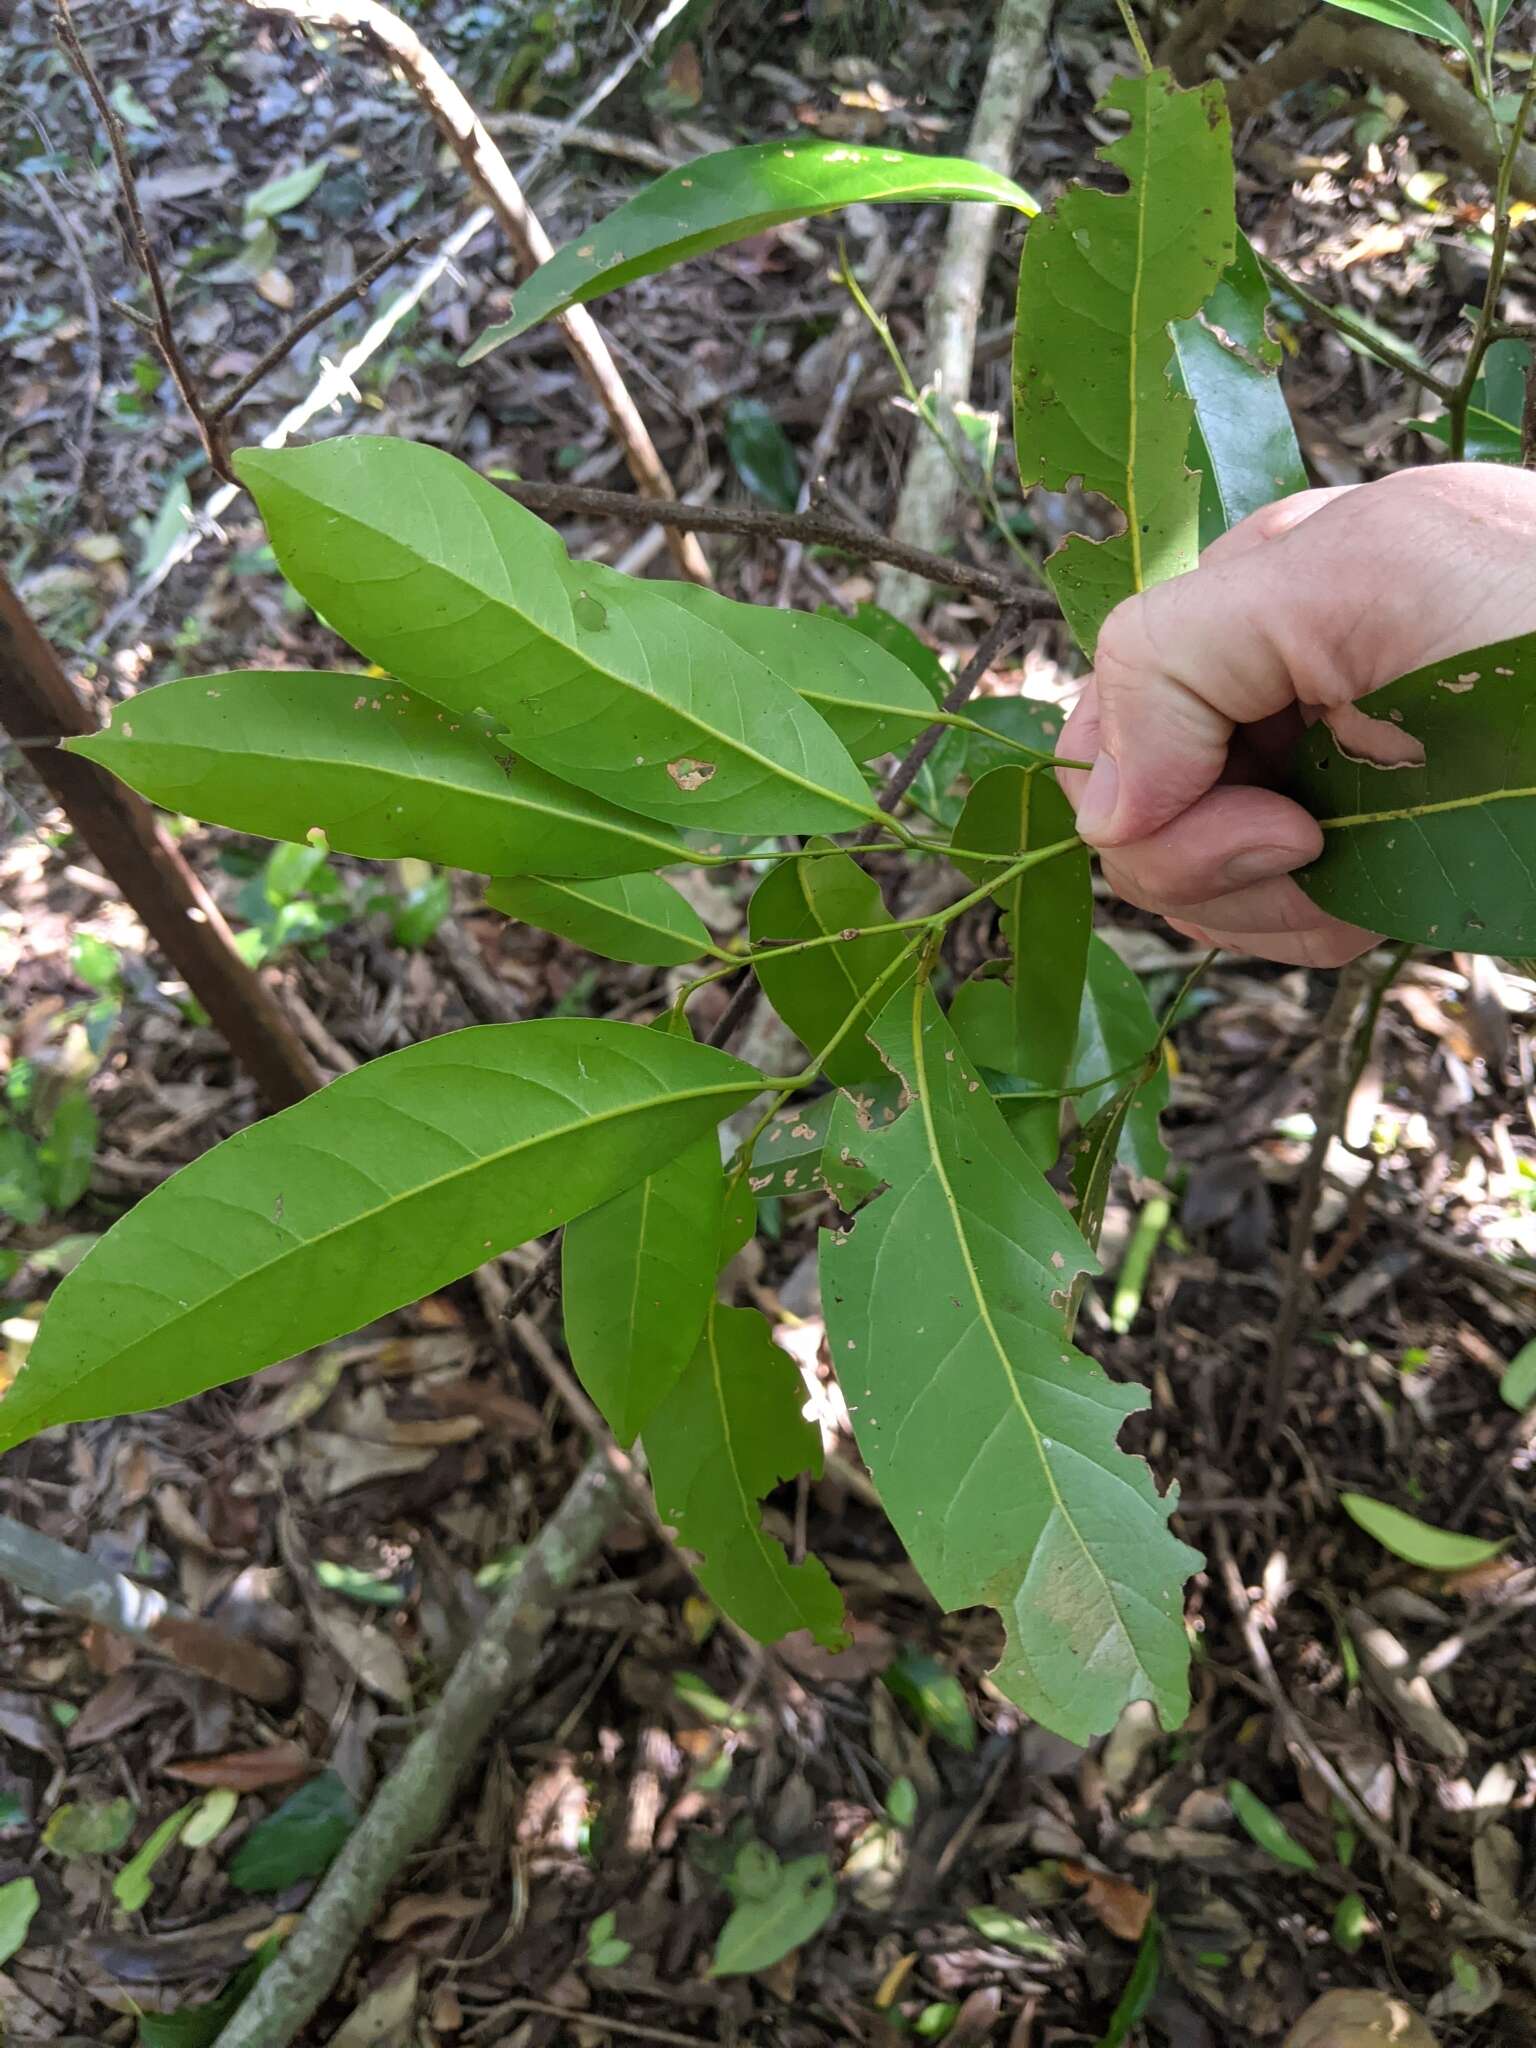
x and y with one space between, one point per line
730 1430
440 578
378 769
816 991
727 197
993 1442
1243 443
1444 854
389 1183
1123 264
640 918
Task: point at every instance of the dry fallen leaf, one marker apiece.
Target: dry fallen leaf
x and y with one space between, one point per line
245 1770
1359 2019
1117 1904
415 1907
375 1658
385 2015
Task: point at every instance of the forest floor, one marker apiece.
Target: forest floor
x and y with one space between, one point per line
354 1509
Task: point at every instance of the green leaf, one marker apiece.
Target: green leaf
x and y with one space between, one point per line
1124 265
817 990
133 1883
639 918
1027 1024
377 769
437 576
209 1817
21 1179
731 1430
1093 1154
727 198
992 1443
389 1183
773 1919
1139 1987
993 1924
285 194
64 1157
1351 1923
935 1696
786 1159
300 1840
1267 1828
1497 404
1437 19
1518 1384
759 448
90 1827
638 1275
1243 443
1415 1542
1444 854
18 1903
199 2026
1116 1033
869 697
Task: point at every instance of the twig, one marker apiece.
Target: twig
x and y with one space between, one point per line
640 48
415 1799
491 175
550 134
85 1587
994 643
164 331
586 2022
1371 342
821 454
287 342
736 1011
36 696
1307 1751
90 312
814 528
1488 311
1016 71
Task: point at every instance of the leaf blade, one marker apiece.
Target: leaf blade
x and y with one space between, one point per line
1416 1542
444 581
1434 18
727 197
428 1160
638 918
992 1443
382 771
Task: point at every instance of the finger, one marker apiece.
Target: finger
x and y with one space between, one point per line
1319 615
1229 839
1280 908
1079 742
1270 522
1334 947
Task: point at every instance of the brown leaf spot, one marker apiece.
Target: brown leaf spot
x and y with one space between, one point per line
690 775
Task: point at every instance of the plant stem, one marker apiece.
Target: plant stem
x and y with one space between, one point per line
1487 315
1138 42
1377 346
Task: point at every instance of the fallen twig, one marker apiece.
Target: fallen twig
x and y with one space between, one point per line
162 328
813 528
1294 1733
412 1803
84 1586
491 175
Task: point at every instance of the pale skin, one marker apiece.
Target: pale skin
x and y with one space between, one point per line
1202 684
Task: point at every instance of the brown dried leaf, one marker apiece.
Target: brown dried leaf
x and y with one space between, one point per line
374 1657
415 1907
1115 1902
122 1702
1359 2019
245 1770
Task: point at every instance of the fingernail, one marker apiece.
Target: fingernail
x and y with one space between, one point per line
1101 793
1261 864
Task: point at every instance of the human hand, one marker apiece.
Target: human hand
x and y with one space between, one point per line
1202 686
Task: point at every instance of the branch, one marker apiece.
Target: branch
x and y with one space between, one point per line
163 331
813 528
85 1587
413 1802
287 342
491 175
1394 60
996 642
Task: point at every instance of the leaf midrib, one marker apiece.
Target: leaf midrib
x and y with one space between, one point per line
925 1097
307 1244
1408 813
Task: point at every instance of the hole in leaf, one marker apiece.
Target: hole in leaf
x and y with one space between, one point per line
1375 742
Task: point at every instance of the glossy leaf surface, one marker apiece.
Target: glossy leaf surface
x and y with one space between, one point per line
869 697
638 1273
817 990
1437 19
1116 1032
639 918
1444 854
1123 265
379 770
727 197
1243 443
437 576
728 1433
993 1442
389 1183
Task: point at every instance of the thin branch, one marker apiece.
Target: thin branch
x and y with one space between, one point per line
164 332
1001 636
413 1802
286 343
813 528
1301 1744
1376 345
491 175
1488 312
